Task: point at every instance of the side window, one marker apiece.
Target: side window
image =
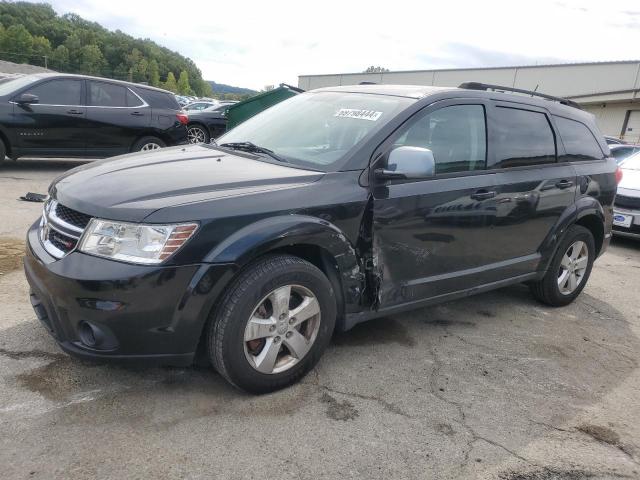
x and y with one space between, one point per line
456 135
107 95
157 99
133 100
58 92
523 137
578 141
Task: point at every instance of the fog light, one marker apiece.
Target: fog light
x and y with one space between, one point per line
89 335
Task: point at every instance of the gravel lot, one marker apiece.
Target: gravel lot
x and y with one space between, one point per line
494 386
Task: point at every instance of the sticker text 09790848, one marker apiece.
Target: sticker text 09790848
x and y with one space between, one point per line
370 115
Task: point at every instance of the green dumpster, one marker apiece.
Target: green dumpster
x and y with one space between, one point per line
241 111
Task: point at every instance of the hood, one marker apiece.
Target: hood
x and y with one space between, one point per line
131 187
630 183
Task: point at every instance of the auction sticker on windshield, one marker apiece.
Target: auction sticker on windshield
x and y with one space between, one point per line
361 114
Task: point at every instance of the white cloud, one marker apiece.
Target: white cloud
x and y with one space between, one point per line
255 43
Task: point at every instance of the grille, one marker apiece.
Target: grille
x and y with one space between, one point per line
68 215
627 202
62 242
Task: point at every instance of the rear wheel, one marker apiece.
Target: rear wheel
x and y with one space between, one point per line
273 324
148 143
569 269
198 134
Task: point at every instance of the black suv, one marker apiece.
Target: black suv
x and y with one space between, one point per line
55 115
331 208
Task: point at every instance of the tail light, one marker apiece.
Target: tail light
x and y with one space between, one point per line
618 175
183 118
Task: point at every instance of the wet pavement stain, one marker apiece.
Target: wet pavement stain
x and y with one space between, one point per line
50 380
11 253
450 323
548 474
340 411
380 331
445 429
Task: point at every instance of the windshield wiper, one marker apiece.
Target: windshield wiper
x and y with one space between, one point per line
252 148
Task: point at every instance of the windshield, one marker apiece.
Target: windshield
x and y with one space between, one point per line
11 86
631 163
316 130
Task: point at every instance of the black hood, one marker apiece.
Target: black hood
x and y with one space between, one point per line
131 187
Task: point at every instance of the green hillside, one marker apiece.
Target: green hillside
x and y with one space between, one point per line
33 33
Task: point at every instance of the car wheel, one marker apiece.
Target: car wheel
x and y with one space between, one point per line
3 152
146 144
198 134
569 269
272 324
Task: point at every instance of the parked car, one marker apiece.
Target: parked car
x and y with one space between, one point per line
58 115
626 210
317 214
613 140
197 106
207 124
621 151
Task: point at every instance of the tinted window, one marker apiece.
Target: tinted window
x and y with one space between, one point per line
523 138
133 100
107 95
578 141
58 92
456 135
159 99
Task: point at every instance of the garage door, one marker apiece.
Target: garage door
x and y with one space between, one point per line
632 133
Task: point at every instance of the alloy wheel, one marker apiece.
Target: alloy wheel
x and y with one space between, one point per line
573 267
150 146
196 135
282 329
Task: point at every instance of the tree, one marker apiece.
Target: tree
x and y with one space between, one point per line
373 69
170 84
41 48
153 73
183 84
91 60
60 59
17 43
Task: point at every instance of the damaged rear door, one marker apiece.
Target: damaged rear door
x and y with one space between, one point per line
433 236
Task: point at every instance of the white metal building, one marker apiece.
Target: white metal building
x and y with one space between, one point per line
609 90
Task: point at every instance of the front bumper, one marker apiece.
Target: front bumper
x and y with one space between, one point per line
143 314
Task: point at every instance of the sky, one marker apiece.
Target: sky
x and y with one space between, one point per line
257 43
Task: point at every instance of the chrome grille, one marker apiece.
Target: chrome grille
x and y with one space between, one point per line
61 228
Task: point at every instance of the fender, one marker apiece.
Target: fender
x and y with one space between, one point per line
583 207
296 230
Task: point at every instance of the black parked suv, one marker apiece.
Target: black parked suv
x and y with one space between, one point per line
331 208
55 115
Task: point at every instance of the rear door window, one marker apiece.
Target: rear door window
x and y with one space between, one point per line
58 92
579 143
522 138
456 135
107 95
157 99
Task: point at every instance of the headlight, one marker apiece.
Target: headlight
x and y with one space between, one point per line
133 242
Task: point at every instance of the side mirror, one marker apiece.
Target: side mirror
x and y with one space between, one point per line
408 163
27 98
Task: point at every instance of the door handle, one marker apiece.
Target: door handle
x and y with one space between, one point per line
75 112
137 114
483 194
564 184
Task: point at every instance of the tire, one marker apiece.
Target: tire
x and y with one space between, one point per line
552 289
148 144
249 297
3 152
198 133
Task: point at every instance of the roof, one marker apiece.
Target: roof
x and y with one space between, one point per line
411 91
542 65
89 77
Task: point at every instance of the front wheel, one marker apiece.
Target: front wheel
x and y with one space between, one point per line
198 134
569 269
273 324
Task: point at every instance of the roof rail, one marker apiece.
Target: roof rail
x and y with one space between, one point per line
498 88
